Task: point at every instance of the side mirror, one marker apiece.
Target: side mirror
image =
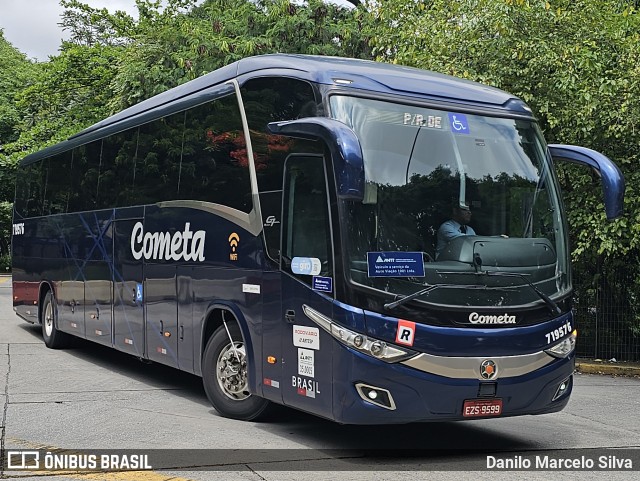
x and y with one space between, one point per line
343 145
611 176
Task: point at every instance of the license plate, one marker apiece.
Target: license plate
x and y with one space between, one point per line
480 408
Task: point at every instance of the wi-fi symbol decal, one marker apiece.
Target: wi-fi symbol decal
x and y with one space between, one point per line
234 239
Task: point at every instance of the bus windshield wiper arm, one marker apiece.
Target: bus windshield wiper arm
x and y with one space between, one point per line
402 300
555 309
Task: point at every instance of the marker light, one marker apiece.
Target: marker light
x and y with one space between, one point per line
367 345
565 347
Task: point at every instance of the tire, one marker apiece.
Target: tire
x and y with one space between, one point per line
225 376
53 338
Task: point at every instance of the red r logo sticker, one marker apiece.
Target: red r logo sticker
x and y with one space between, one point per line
406 332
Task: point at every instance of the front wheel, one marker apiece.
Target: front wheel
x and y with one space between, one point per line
225 376
53 338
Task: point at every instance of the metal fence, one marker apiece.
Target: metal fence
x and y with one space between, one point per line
607 312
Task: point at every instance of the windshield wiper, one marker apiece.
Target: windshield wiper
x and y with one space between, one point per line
402 300
553 307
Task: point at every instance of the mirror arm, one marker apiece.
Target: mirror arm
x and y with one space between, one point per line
343 145
613 184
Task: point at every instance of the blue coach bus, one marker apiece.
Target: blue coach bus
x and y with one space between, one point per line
273 227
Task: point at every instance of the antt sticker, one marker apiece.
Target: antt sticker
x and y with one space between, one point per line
406 332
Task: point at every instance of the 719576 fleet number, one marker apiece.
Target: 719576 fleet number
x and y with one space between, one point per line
558 333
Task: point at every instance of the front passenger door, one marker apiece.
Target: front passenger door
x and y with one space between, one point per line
307 279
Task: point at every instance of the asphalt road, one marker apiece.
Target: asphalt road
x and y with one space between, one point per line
93 398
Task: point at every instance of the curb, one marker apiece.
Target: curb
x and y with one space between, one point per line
613 369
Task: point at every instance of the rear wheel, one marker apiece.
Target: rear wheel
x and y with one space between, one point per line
53 338
225 376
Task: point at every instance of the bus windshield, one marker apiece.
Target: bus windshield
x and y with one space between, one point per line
423 167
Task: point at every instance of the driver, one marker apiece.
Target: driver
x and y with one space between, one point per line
455 227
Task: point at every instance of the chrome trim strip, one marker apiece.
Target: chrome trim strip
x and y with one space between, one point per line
253 176
469 367
320 319
250 222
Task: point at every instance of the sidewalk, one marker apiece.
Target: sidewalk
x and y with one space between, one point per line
599 366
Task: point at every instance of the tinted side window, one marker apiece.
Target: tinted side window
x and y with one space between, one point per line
118 169
215 165
22 191
157 160
29 189
274 99
85 174
58 184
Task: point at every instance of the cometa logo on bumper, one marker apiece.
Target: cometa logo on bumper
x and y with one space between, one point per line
475 318
182 245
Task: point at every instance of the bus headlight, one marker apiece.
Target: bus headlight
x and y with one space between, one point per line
368 345
564 347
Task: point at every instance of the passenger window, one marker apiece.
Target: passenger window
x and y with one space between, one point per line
58 184
215 164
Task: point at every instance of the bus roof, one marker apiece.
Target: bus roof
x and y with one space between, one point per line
343 72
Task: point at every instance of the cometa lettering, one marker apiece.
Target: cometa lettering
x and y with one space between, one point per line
475 318
182 245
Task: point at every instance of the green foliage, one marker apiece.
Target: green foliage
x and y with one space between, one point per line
574 62
6 214
5 264
15 72
182 41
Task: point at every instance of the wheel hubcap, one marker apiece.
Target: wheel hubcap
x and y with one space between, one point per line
48 320
231 371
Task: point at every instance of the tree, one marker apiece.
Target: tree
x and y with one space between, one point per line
15 72
184 41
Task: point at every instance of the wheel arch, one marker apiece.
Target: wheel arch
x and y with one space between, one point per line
213 319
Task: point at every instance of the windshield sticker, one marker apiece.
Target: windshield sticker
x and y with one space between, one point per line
395 264
406 332
323 284
431 121
459 124
307 266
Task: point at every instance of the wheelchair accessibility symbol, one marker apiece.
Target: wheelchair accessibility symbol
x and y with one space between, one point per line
459 124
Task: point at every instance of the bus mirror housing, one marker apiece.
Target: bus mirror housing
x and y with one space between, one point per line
342 143
611 176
